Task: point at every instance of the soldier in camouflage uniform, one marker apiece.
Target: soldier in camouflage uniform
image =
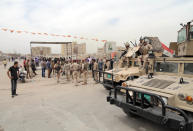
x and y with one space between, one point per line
95 68
124 60
145 47
75 67
85 72
71 70
67 70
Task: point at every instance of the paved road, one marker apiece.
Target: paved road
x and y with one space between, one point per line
44 105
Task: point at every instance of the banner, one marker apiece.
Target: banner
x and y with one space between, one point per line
47 34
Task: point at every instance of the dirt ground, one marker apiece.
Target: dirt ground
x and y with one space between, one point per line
44 105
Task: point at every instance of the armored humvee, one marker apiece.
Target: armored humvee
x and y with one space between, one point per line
167 97
130 68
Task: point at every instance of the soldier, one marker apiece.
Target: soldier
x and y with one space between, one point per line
120 64
67 70
150 69
85 72
95 68
80 69
71 70
127 46
75 73
124 61
108 65
145 47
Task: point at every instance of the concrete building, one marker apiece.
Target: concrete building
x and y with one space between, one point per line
77 51
109 47
41 51
100 52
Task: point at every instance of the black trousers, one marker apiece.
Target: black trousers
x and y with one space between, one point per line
13 86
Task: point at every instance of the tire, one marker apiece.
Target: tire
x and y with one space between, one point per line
107 88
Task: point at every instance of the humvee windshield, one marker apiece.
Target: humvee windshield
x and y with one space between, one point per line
166 67
182 35
188 68
136 64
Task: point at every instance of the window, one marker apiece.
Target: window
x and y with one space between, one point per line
191 32
166 67
136 64
182 35
188 68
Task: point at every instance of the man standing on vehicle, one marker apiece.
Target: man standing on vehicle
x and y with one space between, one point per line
13 74
144 50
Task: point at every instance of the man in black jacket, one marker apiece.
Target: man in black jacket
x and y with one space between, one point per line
13 74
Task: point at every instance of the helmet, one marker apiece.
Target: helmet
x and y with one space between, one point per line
141 38
147 41
127 44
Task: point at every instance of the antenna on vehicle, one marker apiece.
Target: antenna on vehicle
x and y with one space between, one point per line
135 44
132 43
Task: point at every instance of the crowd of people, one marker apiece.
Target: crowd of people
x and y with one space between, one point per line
71 69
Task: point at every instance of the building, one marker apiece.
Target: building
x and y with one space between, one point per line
74 50
41 51
100 50
109 47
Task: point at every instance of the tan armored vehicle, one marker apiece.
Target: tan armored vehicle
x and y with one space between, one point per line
127 67
167 97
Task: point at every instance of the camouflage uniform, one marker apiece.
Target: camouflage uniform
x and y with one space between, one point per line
71 71
108 65
120 64
124 61
95 68
75 73
79 70
144 51
85 72
67 71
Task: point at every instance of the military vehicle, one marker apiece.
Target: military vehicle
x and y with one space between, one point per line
130 68
167 97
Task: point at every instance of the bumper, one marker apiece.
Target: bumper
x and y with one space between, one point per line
165 115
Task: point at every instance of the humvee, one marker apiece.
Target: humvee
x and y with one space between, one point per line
130 70
167 97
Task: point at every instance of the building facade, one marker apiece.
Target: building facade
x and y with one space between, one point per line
74 50
109 47
41 51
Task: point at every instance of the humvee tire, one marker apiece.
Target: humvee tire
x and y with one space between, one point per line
107 88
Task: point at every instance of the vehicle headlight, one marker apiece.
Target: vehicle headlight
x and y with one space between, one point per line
181 96
189 100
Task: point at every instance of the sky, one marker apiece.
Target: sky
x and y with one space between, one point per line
112 20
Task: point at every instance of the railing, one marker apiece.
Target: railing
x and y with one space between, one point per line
143 101
98 73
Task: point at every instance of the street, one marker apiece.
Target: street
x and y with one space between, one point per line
44 105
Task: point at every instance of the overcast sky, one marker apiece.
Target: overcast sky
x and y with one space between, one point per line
113 20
